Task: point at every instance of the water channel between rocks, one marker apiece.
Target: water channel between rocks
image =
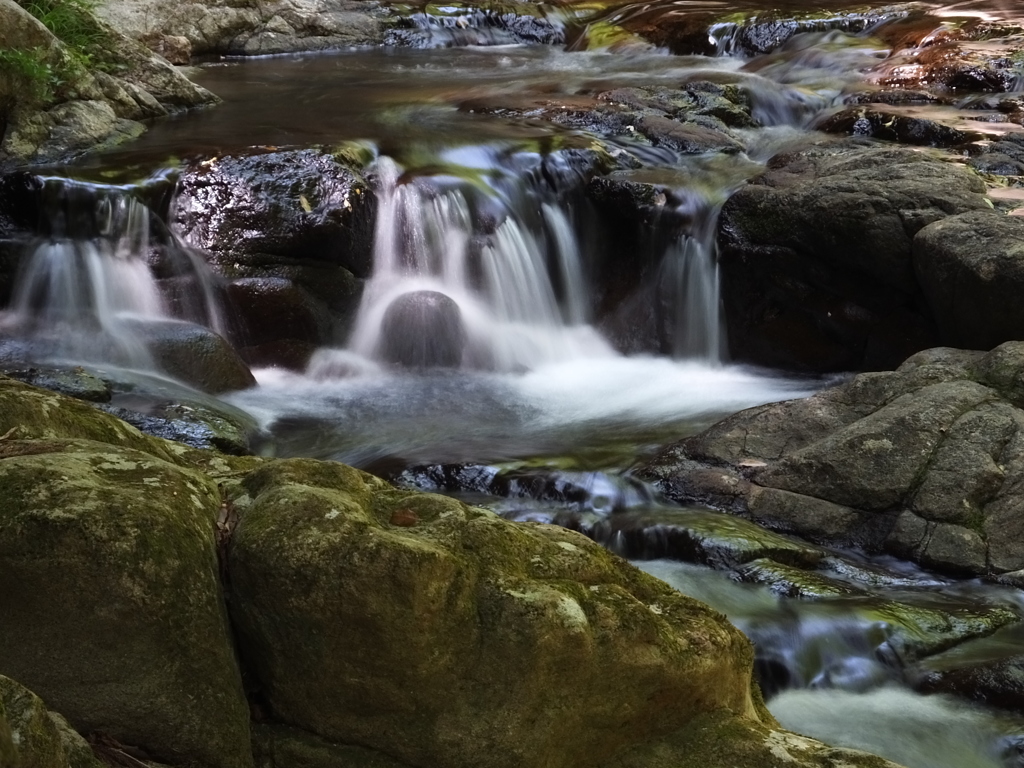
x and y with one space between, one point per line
541 415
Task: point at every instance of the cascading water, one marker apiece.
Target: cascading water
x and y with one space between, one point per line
87 291
496 260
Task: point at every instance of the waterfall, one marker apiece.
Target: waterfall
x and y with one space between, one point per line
86 290
509 270
692 282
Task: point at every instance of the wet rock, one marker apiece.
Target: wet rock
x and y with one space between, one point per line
997 164
280 207
971 268
423 329
726 103
108 563
473 26
278 319
686 32
815 256
891 126
912 630
686 138
988 671
195 355
194 425
463 577
946 66
74 382
704 538
33 736
920 463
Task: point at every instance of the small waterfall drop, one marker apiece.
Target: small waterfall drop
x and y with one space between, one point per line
513 280
86 291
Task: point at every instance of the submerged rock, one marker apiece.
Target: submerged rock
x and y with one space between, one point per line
920 463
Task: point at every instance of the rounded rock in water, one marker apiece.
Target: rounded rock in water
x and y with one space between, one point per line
423 329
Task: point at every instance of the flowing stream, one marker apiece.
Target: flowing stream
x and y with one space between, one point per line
535 412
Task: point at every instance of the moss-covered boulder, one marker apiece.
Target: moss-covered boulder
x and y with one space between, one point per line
722 739
110 594
29 413
442 635
33 737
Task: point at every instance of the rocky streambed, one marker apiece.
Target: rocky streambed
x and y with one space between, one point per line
526 258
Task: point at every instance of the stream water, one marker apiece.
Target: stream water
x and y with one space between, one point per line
541 417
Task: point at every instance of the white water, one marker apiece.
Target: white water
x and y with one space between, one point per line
86 292
426 241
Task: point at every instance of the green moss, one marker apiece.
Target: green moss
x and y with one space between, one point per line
115 549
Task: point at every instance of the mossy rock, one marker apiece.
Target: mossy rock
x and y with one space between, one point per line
110 592
30 413
443 635
280 746
722 740
36 737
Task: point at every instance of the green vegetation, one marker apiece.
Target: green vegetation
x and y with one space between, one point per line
85 39
29 70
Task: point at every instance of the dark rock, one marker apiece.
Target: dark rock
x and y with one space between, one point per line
971 268
299 205
815 256
997 164
891 126
989 671
277 318
423 329
194 354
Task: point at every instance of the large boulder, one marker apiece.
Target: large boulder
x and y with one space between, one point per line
31 736
109 585
971 268
816 256
109 581
443 635
52 106
923 463
292 206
